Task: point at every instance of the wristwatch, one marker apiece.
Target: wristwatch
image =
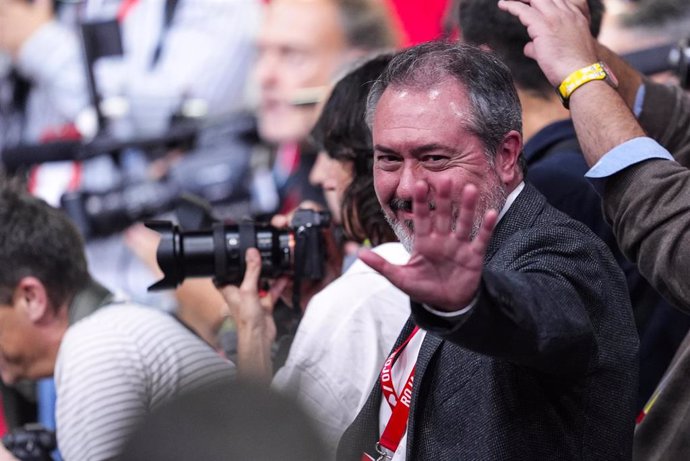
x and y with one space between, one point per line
597 71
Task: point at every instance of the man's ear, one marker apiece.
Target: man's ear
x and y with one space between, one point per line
31 296
507 156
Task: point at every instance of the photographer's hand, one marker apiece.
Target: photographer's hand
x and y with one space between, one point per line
253 317
20 19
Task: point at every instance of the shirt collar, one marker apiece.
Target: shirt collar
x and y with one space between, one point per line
510 199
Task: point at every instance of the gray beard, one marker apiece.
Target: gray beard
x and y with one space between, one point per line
494 199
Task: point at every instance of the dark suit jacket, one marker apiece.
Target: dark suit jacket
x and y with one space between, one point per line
648 204
544 367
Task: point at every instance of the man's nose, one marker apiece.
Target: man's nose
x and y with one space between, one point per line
409 175
264 69
319 172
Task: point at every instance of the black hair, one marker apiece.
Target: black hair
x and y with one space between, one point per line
367 24
342 132
482 23
40 241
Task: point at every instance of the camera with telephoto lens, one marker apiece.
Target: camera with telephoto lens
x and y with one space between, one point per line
298 251
31 442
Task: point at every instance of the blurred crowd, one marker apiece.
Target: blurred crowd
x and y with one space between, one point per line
535 309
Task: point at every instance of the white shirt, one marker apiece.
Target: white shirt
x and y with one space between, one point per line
346 334
408 357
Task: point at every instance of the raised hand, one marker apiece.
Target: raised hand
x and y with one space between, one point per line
561 39
253 317
445 268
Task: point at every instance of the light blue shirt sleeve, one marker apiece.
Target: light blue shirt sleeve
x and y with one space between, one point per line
623 156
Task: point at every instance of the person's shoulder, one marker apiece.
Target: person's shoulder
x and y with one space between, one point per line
533 220
125 322
393 252
359 292
126 312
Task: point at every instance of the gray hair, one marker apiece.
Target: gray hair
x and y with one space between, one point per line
495 107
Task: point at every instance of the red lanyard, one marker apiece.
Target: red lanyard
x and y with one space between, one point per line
399 402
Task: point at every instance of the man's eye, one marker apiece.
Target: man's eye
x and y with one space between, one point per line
387 158
434 158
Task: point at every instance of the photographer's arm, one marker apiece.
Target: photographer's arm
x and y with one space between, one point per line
253 317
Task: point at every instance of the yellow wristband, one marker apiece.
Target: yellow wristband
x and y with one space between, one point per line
596 71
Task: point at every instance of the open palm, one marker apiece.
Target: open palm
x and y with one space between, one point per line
445 268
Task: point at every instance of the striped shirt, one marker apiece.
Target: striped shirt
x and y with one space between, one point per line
118 364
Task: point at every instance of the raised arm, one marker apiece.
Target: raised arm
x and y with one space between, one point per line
647 199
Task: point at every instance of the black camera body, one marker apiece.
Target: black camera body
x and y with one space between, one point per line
32 442
219 252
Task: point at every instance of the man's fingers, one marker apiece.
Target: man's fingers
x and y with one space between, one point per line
231 295
481 241
252 270
372 260
392 272
529 50
420 209
522 10
443 214
277 288
468 205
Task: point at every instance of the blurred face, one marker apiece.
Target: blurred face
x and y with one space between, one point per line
301 46
333 176
17 337
421 135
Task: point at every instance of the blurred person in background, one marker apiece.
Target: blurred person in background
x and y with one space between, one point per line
173 52
303 45
219 423
113 360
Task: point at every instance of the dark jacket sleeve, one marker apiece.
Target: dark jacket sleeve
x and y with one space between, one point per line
538 311
648 205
